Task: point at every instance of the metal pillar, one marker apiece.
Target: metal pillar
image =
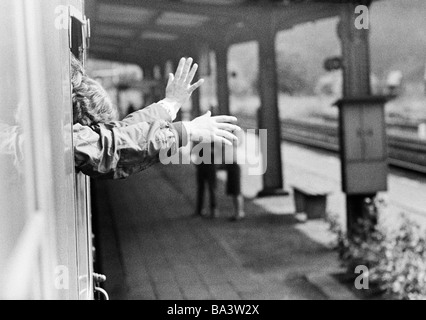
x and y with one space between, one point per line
201 56
269 114
356 83
174 66
356 54
148 77
161 82
196 102
222 81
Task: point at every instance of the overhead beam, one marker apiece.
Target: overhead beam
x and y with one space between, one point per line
93 54
285 19
305 12
140 57
203 32
245 11
140 28
170 48
237 31
136 58
211 10
153 46
131 56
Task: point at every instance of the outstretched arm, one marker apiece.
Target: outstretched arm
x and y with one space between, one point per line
115 151
120 149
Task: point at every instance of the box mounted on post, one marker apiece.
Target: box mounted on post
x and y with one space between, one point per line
363 145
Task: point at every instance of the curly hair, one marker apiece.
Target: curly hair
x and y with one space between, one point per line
91 103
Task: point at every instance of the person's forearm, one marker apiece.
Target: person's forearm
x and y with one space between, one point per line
117 152
162 110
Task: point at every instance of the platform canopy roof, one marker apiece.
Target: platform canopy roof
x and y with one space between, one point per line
158 30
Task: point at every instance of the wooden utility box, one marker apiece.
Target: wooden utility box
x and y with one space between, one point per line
363 145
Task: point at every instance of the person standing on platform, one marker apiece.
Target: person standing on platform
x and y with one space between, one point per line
206 175
233 183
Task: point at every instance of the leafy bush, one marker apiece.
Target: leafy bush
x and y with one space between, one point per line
396 259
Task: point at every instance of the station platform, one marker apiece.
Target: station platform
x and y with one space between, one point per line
152 247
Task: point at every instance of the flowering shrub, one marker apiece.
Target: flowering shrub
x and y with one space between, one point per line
396 259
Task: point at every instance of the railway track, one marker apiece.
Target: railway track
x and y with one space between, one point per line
405 151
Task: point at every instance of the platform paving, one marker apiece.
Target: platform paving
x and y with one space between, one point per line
154 248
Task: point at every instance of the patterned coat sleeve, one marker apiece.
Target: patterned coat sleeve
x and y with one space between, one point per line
152 113
119 149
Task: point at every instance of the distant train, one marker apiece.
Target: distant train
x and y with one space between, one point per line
46 238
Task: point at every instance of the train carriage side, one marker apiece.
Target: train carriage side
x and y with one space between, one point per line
45 232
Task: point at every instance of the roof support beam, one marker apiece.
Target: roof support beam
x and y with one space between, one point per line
193 32
220 30
211 10
235 12
139 59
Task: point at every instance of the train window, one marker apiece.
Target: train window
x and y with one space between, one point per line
77 39
79 33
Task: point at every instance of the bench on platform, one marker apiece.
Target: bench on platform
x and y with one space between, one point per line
310 200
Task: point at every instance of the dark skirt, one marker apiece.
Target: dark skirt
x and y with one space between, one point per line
233 185
207 172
